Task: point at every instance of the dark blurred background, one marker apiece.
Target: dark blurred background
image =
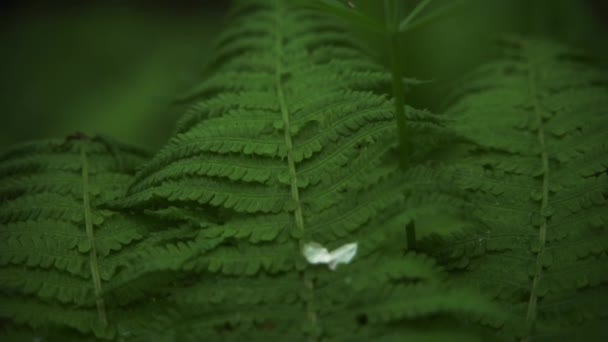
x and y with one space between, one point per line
110 67
115 67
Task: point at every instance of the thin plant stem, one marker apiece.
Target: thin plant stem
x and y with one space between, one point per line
399 100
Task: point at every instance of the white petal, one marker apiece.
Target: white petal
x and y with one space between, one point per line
316 253
342 255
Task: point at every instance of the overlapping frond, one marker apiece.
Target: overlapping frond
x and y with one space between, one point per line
58 246
537 186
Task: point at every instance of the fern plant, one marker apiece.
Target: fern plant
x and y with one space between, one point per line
60 249
287 146
536 183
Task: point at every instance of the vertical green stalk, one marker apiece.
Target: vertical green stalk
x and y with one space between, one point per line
410 233
94 264
391 16
399 100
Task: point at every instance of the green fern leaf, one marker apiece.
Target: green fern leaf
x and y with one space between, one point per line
288 143
59 246
537 188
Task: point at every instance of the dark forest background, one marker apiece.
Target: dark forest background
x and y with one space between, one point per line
116 67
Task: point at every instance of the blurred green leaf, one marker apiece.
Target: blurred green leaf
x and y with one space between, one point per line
404 25
353 16
414 23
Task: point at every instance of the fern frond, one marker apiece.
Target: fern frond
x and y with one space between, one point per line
536 186
59 245
289 143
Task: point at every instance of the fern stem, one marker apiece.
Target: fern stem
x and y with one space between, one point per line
101 308
399 100
391 17
533 301
410 232
295 193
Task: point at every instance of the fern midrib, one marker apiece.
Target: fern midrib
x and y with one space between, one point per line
295 194
533 301
94 264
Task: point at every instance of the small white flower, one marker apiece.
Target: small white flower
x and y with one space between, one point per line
315 253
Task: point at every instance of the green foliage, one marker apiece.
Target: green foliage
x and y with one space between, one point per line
291 140
390 31
536 182
290 146
60 248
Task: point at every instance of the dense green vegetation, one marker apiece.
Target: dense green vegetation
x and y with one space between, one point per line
481 218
